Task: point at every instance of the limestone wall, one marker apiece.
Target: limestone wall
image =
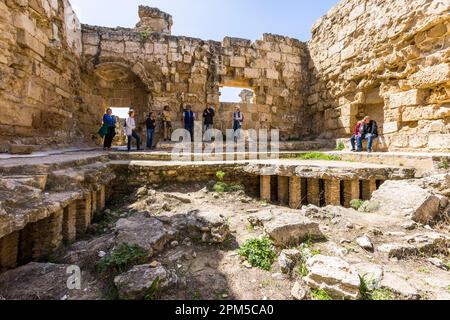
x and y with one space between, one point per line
40 44
387 59
177 71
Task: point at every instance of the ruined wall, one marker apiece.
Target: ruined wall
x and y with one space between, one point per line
40 45
387 59
177 71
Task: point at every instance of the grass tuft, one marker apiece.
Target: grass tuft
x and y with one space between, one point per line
318 156
340 146
382 294
320 294
122 259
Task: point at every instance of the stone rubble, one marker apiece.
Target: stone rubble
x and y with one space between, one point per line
334 275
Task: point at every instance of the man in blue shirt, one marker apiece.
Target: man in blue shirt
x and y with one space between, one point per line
110 121
189 120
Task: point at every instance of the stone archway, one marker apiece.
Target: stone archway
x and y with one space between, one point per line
117 85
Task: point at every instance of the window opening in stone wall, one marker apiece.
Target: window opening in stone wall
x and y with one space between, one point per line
237 95
122 113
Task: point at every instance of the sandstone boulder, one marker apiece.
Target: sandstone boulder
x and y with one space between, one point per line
144 282
290 229
405 198
288 259
299 291
210 226
147 232
398 250
365 243
371 273
42 281
400 286
334 275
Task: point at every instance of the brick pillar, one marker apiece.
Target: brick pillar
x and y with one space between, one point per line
69 229
283 190
94 208
9 248
333 192
101 198
351 191
265 188
84 210
368 187
295 192
47 235
313 191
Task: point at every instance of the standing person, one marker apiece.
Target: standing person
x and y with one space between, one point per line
189 120
167 124
151 125
357 133
131 130
238 118
109 121
208 118
370 133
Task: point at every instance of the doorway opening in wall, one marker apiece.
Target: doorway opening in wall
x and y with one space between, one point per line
122 113
236 95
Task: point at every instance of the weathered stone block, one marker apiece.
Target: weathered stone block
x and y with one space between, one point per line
439 142
431 76
265 188
20 149
403 197
252 73
9 246
283 190
69 229
238 62
408 98
390 127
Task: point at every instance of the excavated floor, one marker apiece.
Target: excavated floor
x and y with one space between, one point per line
210 271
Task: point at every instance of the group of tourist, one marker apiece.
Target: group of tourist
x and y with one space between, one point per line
108 130
365 129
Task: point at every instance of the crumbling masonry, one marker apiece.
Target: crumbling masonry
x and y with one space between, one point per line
387 59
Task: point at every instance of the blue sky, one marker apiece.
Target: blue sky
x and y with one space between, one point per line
214 19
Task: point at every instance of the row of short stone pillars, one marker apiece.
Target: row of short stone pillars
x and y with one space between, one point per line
297 191
39 239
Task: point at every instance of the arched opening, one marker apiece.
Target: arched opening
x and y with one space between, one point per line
116 86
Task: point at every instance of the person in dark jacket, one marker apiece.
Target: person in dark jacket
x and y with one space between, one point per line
370 132
150 122
189 120
208 118
110 121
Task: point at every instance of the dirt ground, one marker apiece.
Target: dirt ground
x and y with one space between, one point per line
218 272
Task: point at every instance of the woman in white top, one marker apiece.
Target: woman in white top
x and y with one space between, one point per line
130 130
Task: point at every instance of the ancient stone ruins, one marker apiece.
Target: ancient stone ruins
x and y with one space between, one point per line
312 221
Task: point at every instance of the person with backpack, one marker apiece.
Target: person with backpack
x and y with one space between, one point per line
130 130
151 125
208 118
189 120
238 119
